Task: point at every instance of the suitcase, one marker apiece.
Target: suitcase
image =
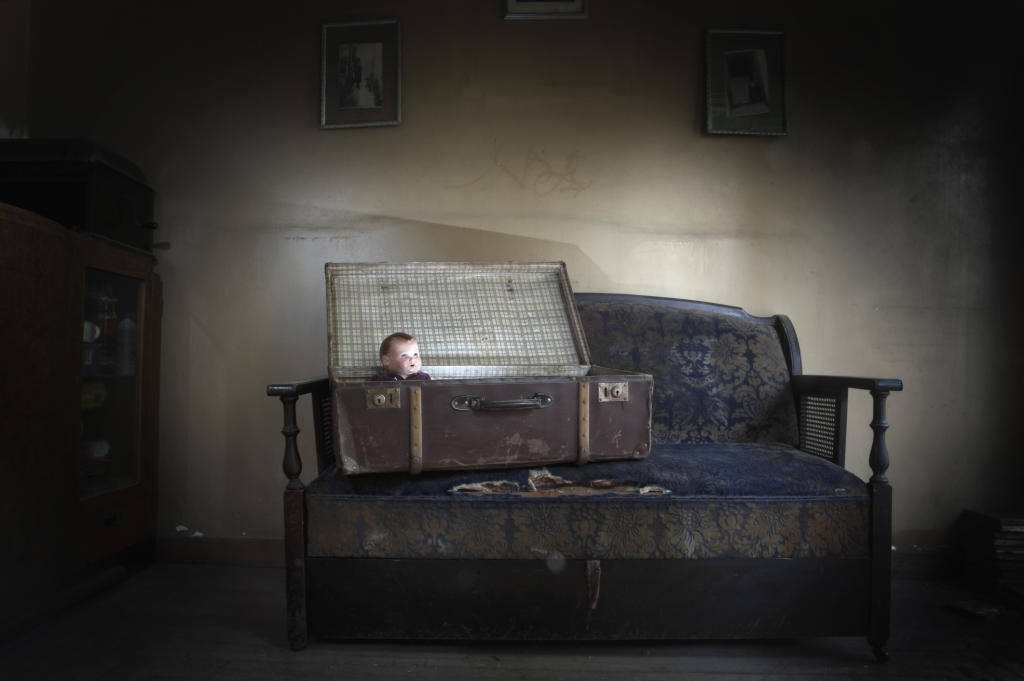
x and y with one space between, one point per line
511 386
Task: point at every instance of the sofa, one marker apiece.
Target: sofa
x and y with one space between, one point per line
742 522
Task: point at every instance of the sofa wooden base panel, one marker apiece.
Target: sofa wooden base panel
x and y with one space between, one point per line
575 599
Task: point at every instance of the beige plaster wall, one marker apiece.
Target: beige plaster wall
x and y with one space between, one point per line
880 224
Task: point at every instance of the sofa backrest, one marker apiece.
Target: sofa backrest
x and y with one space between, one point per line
720 374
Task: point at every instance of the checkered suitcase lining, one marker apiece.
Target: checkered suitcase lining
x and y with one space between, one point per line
471 320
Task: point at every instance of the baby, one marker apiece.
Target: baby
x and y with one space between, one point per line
400 355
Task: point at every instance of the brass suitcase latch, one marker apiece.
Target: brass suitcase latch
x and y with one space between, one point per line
383 398
613 392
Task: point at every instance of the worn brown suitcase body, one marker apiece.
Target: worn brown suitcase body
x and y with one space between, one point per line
512 387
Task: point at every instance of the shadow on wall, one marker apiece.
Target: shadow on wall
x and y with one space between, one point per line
365 238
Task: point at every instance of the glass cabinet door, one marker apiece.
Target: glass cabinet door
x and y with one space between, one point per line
109 437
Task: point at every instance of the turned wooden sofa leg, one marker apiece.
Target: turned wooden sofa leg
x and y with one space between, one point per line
295 570
881 569
294 529
881 533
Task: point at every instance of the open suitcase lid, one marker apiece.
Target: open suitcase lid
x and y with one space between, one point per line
472 320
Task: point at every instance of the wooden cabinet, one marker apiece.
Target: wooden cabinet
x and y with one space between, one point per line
80 340
117 320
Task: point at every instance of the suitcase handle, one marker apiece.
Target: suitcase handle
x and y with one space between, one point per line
476 403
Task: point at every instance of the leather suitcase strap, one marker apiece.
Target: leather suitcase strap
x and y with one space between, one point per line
415 430
584 424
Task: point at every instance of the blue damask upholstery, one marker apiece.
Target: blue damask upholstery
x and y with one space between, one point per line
719 375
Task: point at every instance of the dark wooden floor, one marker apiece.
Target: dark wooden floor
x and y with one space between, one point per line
187 621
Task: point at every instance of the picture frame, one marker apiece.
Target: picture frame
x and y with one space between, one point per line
361 74
745 82
545 9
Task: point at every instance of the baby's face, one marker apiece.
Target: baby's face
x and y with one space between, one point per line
403 359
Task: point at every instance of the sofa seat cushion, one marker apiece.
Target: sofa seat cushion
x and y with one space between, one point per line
701 501
726 470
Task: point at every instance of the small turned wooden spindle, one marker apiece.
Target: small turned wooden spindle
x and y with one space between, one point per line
292 465
879 458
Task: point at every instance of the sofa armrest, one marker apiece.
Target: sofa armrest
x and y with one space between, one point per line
824 384
289 393
300 387
821 406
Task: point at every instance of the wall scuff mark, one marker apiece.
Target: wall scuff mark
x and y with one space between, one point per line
537 173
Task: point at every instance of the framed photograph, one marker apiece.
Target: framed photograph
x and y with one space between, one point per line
746 89
361 75
545 9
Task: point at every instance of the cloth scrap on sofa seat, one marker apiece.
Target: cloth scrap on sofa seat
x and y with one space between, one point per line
543 482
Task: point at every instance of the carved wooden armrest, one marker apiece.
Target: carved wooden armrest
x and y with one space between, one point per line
289 393
296 388
813 383
294 512
822 401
